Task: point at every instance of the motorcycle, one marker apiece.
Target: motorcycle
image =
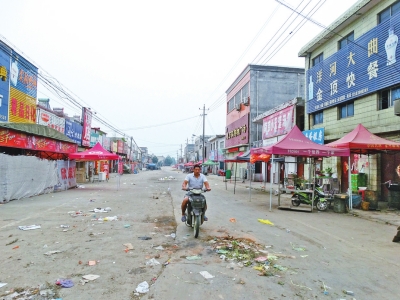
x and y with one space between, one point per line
195 209
302 197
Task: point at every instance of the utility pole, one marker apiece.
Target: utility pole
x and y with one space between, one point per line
204 115
177 158
130 152
181 151
187 145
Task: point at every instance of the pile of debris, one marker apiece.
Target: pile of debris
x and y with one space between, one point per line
239 253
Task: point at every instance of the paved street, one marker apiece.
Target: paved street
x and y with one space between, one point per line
308 253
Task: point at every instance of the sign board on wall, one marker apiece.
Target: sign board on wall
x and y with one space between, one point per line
23 90
316 135
87 126
15 139
278 123
360 68
107 143
237 133
73 130
94 138
4 83
51 120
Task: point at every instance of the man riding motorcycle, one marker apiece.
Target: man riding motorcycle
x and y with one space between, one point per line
195 180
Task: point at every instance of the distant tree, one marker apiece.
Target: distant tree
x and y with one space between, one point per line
168 161
154 159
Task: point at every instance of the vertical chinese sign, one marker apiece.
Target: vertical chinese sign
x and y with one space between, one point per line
4 81
23 90
87 126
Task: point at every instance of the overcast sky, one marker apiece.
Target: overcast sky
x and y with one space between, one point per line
144 63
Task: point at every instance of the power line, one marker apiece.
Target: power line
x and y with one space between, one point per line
272 38
294 31
245 51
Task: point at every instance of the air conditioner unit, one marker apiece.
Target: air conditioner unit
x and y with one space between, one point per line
245 100
238 106
397 107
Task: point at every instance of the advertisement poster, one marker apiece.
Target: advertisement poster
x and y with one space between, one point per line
66 175
73 130
278 123
51 120
23 90
4 82
87 126
22 108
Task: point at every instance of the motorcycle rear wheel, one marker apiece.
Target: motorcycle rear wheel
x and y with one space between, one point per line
196 227
295 201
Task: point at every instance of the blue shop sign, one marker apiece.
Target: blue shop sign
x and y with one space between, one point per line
73 130
315 135
360 68
4 82
23 75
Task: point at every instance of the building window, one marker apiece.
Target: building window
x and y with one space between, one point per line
387 97
346 40
318 117
389 12
231 104
317 59
346 110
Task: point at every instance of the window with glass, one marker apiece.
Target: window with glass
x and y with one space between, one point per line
346 40
316 60
231 104
387 97
318 117
346 110
389 12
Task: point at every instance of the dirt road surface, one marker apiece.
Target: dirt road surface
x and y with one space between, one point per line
301 256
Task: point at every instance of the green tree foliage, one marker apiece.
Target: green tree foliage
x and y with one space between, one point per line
154 159
168 161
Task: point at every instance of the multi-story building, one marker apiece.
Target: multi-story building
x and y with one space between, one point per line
352 77
217 144
189 153
198 147
257 89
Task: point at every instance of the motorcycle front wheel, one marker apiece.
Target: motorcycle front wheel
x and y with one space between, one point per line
322 205
295 201
196 227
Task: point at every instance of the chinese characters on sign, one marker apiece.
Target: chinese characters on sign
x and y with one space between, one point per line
51 120
278 123
236 133
357 69
315 135
87 126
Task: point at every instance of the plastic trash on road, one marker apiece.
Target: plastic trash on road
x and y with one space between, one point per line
29 227
143 287
268 222
206 275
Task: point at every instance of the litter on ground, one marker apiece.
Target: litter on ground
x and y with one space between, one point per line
29 227
268 222
206 275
